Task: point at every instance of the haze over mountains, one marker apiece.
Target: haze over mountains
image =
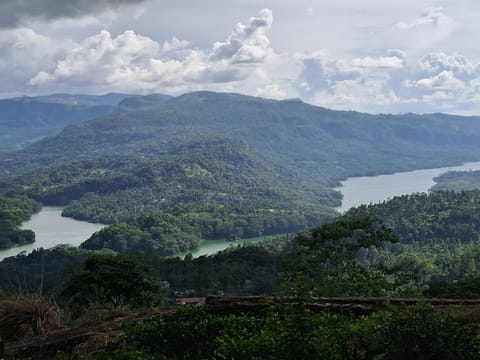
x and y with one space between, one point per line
28 119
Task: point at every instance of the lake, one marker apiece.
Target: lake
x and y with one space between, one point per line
373 189
52 229
208 247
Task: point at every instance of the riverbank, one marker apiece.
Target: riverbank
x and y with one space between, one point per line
373 189
52 229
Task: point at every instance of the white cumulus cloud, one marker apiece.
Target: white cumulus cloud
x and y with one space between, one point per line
392 62
138 63
247 43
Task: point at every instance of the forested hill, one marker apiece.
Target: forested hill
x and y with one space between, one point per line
438 237
28 119
429 219
313 140
458 181
114 188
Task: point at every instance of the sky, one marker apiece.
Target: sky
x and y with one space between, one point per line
374 56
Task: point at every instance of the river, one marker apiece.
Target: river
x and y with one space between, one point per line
52 229
373 189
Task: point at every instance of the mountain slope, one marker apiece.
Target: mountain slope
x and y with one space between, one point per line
26 120
113 188
313 140
458 181
110 99
135 103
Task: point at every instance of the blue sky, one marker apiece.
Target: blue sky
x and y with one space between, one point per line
365 55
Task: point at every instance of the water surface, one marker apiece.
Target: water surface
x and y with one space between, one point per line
52 229
373 189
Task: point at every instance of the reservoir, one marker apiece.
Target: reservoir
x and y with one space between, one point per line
373 189
52 229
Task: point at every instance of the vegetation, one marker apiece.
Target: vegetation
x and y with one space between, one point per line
182 228
109 280
406 333
437 241
177 156
428 219
25 317
13 211
26 120
114 188
466 288
167 173
317 143
327 263
211 189
458 181
42 272
329 260
438 236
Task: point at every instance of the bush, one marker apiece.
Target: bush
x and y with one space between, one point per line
25 317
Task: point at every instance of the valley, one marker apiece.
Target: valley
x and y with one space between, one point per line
217 193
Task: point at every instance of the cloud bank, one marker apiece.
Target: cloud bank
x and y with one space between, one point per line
14 12
132 61
245 61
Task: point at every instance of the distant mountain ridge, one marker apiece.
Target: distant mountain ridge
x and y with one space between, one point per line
25 120
222 165
311 139
110 99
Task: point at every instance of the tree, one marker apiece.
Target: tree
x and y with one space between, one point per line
327 264
111 280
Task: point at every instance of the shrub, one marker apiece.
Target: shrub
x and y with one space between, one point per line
25 317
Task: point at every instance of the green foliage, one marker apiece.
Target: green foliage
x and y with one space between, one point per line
243 270
161 233
405 333
181 228
467 288
42 271
458 181
438 235
13 211
438 217
114 280
324 143
327 263
422 333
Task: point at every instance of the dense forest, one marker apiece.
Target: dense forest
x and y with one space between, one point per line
13 211
458 181
314 141
211 188
115 188
167 173
180 156
412 241
91 286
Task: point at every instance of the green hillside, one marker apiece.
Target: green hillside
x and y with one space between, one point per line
458 181
315 141
26 120
225 165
